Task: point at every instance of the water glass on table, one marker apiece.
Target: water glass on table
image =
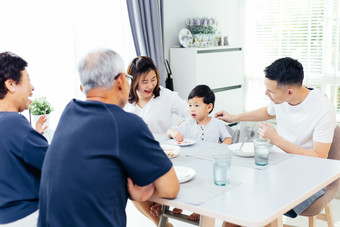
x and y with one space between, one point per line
261 149
221 169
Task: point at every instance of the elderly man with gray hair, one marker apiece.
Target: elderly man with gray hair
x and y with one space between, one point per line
100 154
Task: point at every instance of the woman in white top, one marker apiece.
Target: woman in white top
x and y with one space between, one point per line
154 103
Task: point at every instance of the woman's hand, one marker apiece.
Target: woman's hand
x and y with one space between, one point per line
39 125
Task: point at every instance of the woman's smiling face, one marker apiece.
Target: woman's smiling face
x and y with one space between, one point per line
22 91
147 84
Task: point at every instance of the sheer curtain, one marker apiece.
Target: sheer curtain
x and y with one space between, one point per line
52 36
146 20
307 30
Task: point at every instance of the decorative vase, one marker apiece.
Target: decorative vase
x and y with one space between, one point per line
35 118
204 40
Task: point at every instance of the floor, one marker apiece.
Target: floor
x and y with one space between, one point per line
135 219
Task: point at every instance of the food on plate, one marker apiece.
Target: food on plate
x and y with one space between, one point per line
170 155
170 150
184 142
167 149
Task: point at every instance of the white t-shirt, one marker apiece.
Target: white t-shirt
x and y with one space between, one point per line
215 131
313 119
158 111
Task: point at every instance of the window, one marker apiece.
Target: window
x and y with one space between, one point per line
52 36
307 30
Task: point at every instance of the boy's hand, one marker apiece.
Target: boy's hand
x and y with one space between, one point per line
178 136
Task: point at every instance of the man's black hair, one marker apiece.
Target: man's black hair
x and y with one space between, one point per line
285 71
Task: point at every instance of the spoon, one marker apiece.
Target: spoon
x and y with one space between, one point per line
250 134
244 141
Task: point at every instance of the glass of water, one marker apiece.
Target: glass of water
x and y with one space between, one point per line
261 149
221 169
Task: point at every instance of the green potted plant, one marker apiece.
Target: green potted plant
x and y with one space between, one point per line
40 106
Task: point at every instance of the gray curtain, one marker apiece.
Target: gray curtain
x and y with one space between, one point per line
146 20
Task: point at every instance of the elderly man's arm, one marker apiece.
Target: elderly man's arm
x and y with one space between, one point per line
139 193
167 186
268 131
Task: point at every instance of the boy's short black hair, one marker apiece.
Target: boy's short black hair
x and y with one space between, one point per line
203 91
285 71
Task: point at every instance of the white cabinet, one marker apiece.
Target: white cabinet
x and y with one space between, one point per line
221 68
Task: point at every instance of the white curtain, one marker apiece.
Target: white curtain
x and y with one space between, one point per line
52 36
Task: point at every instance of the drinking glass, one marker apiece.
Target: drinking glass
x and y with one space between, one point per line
221 168
261 149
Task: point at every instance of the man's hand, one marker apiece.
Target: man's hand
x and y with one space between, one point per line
139 193
268 131
39 125
225 116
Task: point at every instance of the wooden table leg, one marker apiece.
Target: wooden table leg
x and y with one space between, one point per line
207 221
277 222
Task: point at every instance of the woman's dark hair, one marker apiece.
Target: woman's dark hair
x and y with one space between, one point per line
10 67
285 71
203 91
139 66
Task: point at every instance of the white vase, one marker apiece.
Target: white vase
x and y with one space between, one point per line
35 118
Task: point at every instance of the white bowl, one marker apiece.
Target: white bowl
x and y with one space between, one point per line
171 151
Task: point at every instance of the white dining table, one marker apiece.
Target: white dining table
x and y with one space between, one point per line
261 195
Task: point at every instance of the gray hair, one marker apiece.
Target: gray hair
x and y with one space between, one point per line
99 68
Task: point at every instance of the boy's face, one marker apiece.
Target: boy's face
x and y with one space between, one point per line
198 109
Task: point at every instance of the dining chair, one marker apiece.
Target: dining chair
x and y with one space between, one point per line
231 131
166 213
324 202
244 132
313 212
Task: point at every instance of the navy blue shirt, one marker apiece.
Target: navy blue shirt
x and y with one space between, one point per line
22 151
96 146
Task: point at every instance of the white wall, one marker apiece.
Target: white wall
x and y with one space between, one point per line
176 12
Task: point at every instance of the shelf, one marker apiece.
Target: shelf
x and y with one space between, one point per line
209 49
221 68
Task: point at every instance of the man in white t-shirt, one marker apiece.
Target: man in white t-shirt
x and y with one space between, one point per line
305 118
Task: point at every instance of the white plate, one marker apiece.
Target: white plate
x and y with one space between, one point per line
247 149
185 37
171 151
184 174
185 142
